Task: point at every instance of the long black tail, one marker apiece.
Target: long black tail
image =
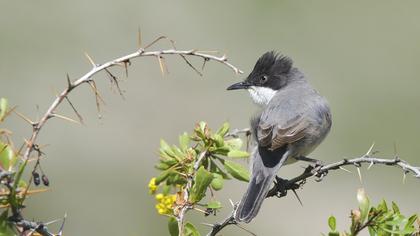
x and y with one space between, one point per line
265 166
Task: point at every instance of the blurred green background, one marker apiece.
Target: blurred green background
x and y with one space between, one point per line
364 56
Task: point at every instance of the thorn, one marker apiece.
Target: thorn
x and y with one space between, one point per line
206 51
60 232
24 117
191 65
185 59
64 118
19 151
155 41
243 228
52 222
360 175
397 158
33 230
114 79
297 196
370 149
204 63
8 113
395 148
126 64
90 60
97 95
231 203
139 38
69 83
37 111
162 67
27 142
404 176
35 191
207 224
75 111
370 165
173 43
342 168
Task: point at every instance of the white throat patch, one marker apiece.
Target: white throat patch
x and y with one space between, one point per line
261 95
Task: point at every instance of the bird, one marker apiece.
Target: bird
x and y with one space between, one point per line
293 120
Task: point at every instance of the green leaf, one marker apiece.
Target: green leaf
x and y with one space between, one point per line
217 182
382 206
166 151
235 143
372 231
332 223
5 226
162 166
395 220
224 129
174 179
184 141
179 155
203 126
173 226
410 221
163 175
333 234
7 157
392 231
22 184
164 145
190 230
3 108
201 130
220 142
238 154
395 208
237 171
169 161
202 180
363 200
220 150
214 204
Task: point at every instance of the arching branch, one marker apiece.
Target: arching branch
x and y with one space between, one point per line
281 186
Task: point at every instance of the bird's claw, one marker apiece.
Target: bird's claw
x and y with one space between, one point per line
316 170
281 186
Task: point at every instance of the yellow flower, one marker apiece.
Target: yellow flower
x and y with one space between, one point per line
159 196
165 203
152 186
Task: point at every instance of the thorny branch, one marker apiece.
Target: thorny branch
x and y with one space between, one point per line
124 61
182 210
281 186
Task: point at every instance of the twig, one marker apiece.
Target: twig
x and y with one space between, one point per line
283 185
87 78
182 210
322 171
97 68
33 226
230 220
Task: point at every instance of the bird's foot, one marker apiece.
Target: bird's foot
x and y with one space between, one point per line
281 186
318 172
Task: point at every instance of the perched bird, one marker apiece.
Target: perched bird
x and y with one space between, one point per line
294 120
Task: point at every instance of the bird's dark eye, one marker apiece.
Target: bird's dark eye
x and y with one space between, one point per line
264 79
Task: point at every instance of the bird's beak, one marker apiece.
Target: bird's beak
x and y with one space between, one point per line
240 85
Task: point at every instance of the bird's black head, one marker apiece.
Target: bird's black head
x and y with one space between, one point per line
270 71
